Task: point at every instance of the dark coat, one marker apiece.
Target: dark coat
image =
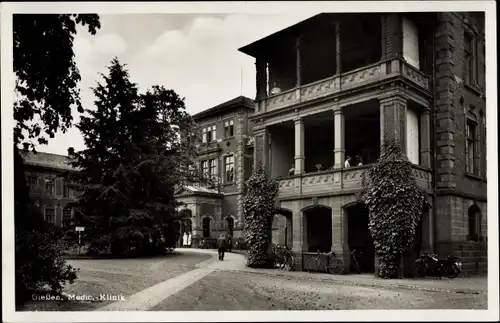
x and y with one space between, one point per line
221 243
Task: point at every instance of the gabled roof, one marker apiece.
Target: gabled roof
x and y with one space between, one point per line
47 160
240 101
189 190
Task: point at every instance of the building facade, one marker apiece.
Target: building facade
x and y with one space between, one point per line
48 188
337 85
225 154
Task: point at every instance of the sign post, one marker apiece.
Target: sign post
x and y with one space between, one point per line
79 230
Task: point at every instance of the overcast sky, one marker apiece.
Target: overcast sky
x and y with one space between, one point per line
196 55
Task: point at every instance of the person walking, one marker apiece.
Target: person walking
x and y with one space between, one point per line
221 245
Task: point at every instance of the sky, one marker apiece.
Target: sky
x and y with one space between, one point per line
194 54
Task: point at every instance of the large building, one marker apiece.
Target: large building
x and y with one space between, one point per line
337 85
225 153
48 188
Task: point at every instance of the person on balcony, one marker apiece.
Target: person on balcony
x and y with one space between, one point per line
359 160
347 163
275 89
291 171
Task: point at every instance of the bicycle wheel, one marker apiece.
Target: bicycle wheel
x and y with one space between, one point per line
289 263
312 265
336 266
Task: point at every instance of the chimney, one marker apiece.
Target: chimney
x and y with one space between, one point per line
71 151
26 146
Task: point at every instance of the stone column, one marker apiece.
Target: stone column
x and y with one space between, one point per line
338 49
261 148
299 146
240 165
299 231
261 78
298 42
339 138
425 139
393 107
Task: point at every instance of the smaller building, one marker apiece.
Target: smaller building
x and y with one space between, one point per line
49 190
224 154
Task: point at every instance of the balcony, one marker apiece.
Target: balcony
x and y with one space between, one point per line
367 76
341 180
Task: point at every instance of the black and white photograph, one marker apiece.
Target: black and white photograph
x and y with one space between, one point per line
249 161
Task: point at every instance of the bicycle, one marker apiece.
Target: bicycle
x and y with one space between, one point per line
283 258
333 265
355 261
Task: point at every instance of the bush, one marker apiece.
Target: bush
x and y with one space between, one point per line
395 204
40 264
259 207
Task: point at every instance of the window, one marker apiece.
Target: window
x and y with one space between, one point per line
469 59
49 187
209 134
230 225
204 135
33 182
66 222
229 169
471 148
50 215
474 223
65 188
228 129
206 227
204 167
212 166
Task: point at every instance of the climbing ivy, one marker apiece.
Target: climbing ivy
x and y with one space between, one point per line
395 203
259 208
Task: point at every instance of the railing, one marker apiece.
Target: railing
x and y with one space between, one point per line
367 75
336 181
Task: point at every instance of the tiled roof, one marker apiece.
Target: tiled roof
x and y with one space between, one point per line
236 102
47 160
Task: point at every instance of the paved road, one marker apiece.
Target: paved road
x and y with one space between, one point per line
197 281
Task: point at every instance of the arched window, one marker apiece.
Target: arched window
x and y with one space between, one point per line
474 223
206 227
230 225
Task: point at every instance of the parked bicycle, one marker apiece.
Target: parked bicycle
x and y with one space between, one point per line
332 265
283 257
356 256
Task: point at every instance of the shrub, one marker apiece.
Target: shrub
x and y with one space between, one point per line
395 204
40 264
259 208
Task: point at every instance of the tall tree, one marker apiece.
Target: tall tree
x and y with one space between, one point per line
139 149
46 89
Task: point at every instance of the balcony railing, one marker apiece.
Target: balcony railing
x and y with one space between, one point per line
365 76
336 181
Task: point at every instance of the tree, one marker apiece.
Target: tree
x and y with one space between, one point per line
139 148
395 203
259 207
46 88
46 73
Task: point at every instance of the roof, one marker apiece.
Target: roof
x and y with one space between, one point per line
240 101
257 46
195 190
47 160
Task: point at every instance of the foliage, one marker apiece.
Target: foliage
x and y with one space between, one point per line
139 149
46 73
395 203
259 207
38 255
